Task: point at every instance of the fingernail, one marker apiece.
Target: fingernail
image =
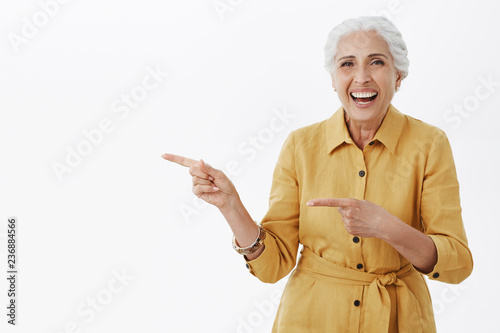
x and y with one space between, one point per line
164 155
211 178
216 188
310 203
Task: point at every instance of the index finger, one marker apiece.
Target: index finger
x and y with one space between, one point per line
184 161
329 202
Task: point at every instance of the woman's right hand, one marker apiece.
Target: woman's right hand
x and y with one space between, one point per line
209 184
213 186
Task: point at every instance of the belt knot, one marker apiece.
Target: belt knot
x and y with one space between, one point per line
388 279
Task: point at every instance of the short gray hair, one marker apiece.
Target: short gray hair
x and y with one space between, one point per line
382 26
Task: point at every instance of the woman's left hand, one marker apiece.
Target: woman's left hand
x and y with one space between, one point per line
361 217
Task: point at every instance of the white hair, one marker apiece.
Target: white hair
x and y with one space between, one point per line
382 26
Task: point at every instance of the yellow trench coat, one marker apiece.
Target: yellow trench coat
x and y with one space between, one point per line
344 283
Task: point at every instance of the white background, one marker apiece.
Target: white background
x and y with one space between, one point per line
124 210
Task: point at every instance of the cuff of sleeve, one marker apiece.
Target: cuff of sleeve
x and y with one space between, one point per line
454 262
441 259
257 265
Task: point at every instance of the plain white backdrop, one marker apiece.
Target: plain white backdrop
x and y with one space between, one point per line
92 93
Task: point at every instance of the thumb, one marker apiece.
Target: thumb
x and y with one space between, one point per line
207 168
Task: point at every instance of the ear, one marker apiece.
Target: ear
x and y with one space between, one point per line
399 77
334 85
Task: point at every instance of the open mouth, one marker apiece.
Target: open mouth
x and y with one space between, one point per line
363 98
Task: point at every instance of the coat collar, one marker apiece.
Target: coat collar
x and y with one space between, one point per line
388 133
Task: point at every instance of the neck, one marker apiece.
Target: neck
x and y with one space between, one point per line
363 132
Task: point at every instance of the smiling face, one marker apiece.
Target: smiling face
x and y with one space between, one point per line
365 77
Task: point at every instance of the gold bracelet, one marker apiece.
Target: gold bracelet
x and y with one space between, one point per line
253 247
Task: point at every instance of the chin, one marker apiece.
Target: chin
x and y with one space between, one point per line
365 113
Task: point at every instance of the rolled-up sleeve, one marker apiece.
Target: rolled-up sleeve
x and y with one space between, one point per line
281 221
441 214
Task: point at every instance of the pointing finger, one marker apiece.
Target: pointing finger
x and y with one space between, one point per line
330 202
184 161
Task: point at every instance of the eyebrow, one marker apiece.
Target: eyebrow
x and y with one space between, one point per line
369 56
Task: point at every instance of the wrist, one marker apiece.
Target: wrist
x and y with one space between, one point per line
232 205
389 228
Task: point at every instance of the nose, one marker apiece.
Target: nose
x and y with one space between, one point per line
362 75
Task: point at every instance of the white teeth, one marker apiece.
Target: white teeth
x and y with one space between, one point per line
363 94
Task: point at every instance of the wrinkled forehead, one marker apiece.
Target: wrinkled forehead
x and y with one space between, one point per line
360 44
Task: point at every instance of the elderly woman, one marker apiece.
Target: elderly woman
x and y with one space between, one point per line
392 179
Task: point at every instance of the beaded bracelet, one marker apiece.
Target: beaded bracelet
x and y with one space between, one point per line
253 247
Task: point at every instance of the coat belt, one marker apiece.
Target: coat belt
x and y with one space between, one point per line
378 310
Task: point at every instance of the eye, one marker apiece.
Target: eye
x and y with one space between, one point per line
347 63
378 62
